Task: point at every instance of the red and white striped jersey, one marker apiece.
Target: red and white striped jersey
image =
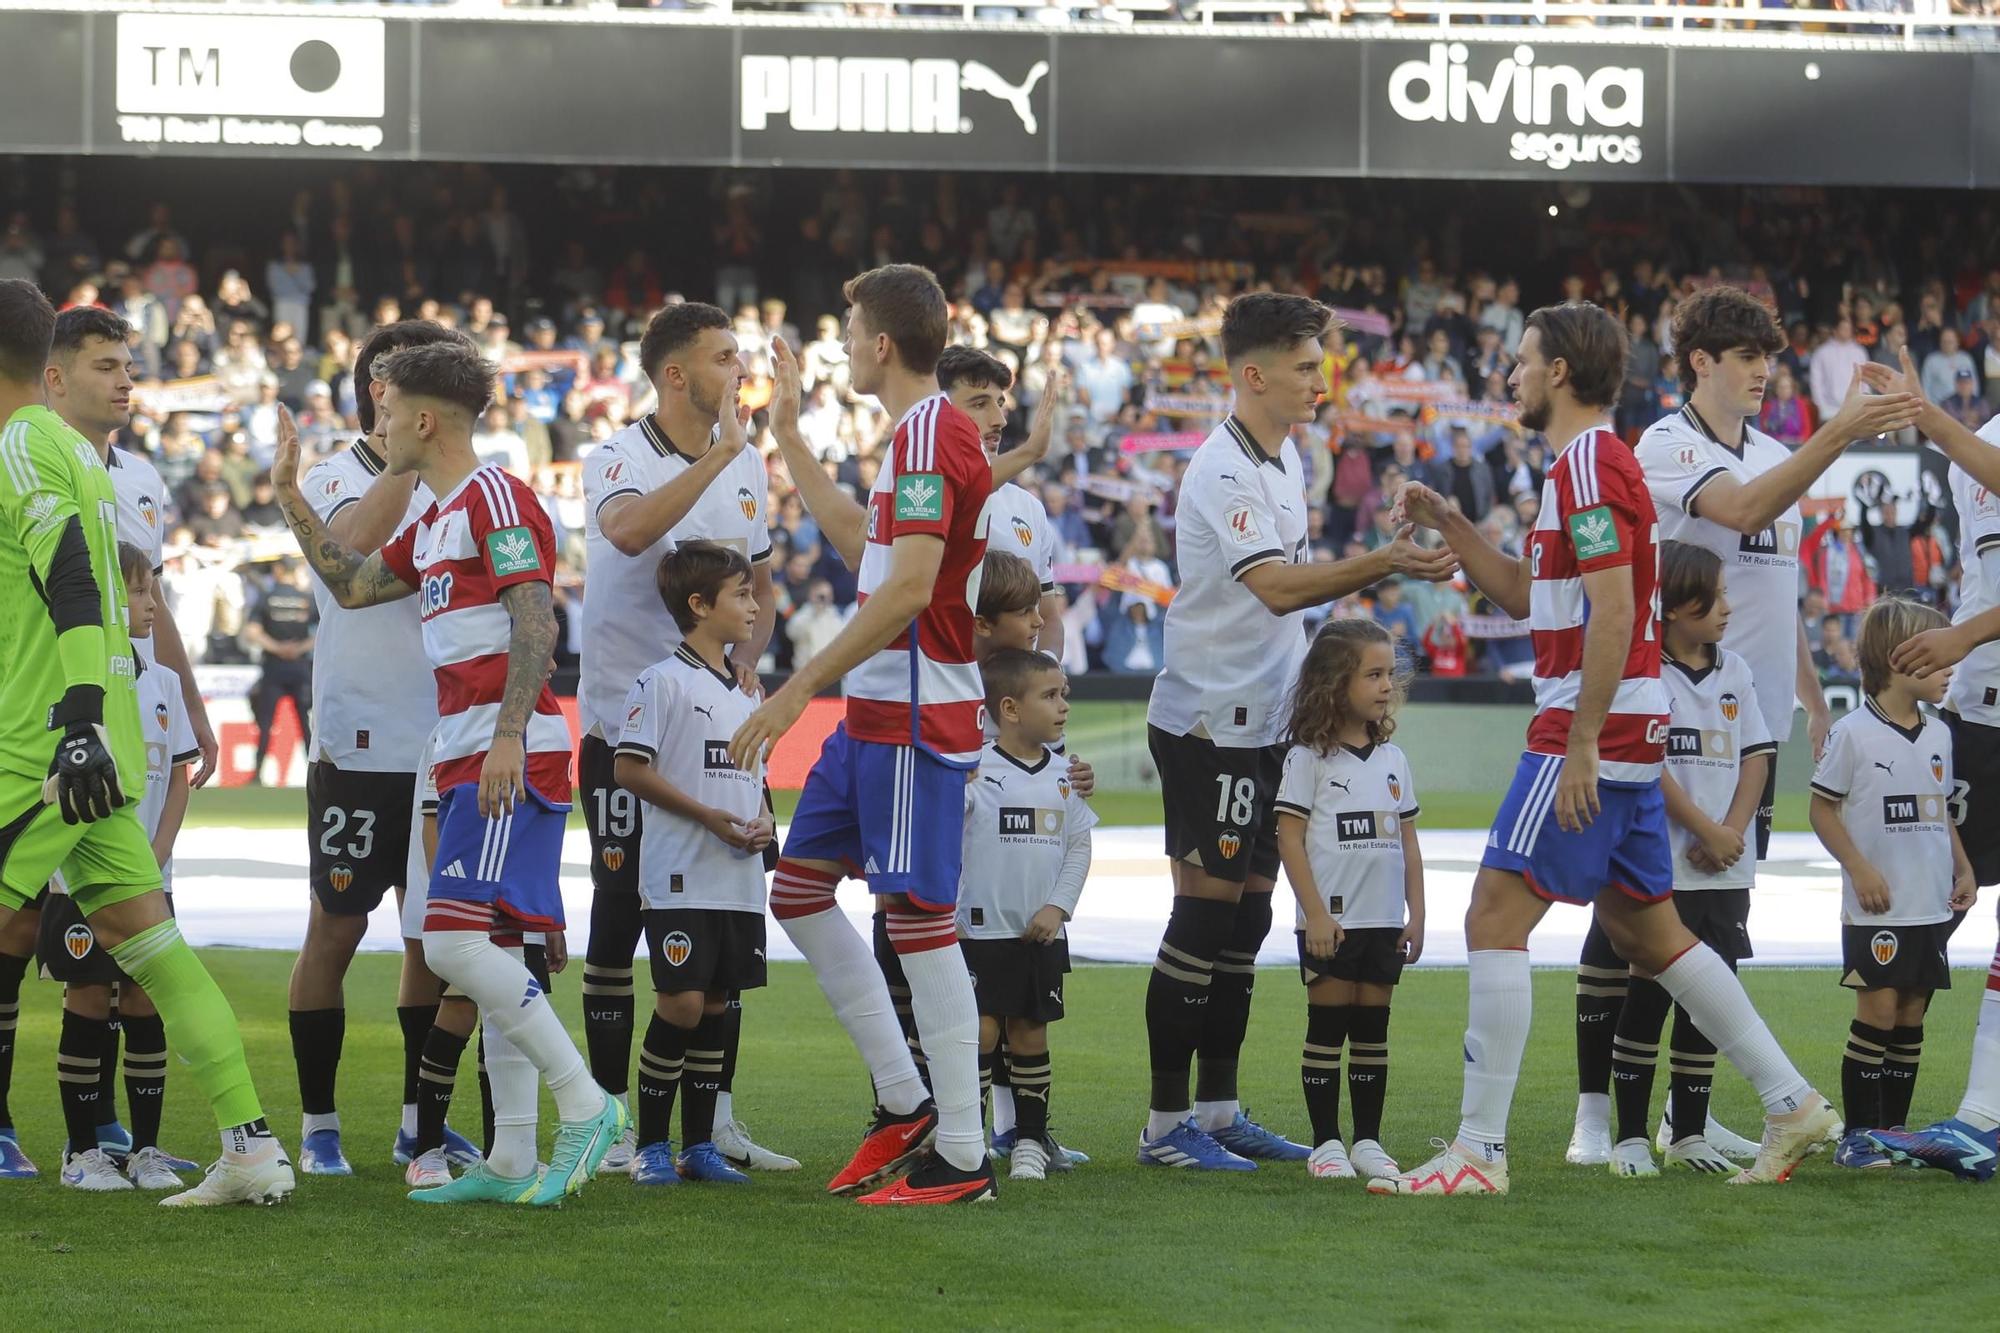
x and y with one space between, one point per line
485 537
924 688
1597 514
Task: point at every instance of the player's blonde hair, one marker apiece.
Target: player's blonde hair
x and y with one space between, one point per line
1319 700
1890 623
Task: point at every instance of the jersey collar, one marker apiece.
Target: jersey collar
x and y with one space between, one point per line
371 461
1694 674
1362 752
1909 734
1248 442
694 659
663 445
1695 419
1035 767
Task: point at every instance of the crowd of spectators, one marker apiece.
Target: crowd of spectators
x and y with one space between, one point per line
1122 286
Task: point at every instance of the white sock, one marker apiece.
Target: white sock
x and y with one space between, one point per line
948 1022
515 1105
511 1001
1500 1007
1159 1124
1211 1116
1702 984
725 1109
844 966
1593 1109
409 1117
1981 1107
238 1141
1003 1110
312 1124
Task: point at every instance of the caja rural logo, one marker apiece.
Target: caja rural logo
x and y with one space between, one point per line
1547 101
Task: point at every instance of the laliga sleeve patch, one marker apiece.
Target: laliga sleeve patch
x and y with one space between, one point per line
1594 533
1242 525
512 551
920 498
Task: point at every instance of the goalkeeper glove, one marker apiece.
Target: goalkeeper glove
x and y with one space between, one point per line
83 777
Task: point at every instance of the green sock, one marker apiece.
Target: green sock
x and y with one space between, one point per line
199 1020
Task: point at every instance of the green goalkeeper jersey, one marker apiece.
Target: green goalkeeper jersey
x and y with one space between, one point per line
49 473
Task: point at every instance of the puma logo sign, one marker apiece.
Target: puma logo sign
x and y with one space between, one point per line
1889 768
977 78
1336 782
708 713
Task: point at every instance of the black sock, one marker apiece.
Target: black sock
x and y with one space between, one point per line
437 1076
1228 1016
1002 1078
485 1098
609 1010
1899 1073
317 1035
1319 1067
1690 1077
701 1080
1861 1076
732 1038
899 992
1030 1079
1600 990
416 1021
12 969
145 1077
989 1062
1368 1068
1635 1055
79 1052
661 1060
107 1071
1177 993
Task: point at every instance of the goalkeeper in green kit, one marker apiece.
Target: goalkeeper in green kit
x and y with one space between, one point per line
71 745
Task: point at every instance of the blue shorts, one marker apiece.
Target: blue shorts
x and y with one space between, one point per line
893 815
1624 848
513 861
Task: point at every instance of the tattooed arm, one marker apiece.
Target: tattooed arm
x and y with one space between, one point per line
503 778
352 578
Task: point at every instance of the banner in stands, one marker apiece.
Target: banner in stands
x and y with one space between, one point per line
614 86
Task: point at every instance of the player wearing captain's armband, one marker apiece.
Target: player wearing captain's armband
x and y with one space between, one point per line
1585 821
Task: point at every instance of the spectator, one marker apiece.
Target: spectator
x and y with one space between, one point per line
815 623
1832 369
1446 646
234 303
21 255
261 421
263 513
1135 632
1637 405
1503 315
216 519
496 442
291 282
1964 404
1942 368
1469 480
283 630
1837 660
1836 568
1104 383
194 323
1888 545
1785 417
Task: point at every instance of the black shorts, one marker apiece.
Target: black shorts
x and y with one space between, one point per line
1230 828
358 836
1766 806
614 816
1016 979
1368 955
67 948
1975 804
1907 958
1719 918
704 949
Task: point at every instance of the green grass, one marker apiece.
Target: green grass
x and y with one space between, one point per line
1112 1245
271 807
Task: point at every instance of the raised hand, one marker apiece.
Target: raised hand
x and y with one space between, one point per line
285 463
1895 404
1420 562
1418 504
785 391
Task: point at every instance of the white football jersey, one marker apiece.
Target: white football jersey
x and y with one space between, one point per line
1018 524
1716 726
142 515
625 624
373 702
1975 683
170 744
1027 844
678 718
1680 455
1355 803
1230 663
1894 788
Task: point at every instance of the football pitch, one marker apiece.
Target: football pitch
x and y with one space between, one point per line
1113 1244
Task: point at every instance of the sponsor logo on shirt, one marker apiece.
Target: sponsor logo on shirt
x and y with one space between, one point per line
436 595
920 498
149 511
746 502
1242 525
1594 533
512 551
1731 705
1023 533
1777 544
1019 821
1937 768
1699 743
1899 812
715 755
1365 825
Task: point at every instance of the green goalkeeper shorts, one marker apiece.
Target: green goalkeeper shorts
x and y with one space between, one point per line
110 861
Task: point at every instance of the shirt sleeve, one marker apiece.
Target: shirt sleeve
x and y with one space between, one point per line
1230 500
607 474
181 743
1602 503
1045 553
1834 777
1406 802
1676 470
399 556
155 544
1753 735
512 532
934 474
327 492
760 496
1301 776
38 494
646 708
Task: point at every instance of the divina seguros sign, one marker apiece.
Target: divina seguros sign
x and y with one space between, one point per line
1555 114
